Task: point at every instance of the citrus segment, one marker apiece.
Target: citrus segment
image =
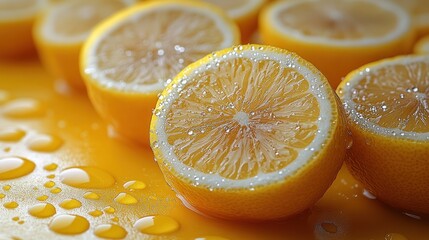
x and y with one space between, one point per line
16 21
129 58
337 36
245 132
61 31
387 105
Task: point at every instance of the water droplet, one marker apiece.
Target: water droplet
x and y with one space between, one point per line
69 224
7 187
42 198
115 219
95 213
55 190
2 195
21 222
11 205
70 203
110 231
329 227
91 196
42 210
134 185
395 236
125 198
211 238
44 143
87 177
51 176
49 184
15 219
12 134
23 108
368 194
109 210
51 167
190 133
14 167
156 225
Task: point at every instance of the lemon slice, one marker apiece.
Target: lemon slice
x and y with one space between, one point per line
419 11
16 21
337 36
244 133
387 105
422 45
243 12
129 58
61 31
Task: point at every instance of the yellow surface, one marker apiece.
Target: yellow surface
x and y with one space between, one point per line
343 208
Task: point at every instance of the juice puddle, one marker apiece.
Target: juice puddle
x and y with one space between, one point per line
346 211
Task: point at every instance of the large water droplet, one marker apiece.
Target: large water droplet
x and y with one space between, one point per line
23 108
110 231
14 167
11 205
125 198
11 134
87 177
134 185
69 224
42 210
44 143
156 225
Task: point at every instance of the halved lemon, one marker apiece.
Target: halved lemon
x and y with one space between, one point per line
61 31
337 36
129 58
16 21
419 11
387 106
250 132
243 12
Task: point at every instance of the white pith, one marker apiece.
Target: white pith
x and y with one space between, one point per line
214 180
245 7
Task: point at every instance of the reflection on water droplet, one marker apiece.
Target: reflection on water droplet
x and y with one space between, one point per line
211 238
69 224
110 231
49 184
156 225
87 177
395 236
44 143
55 190
14 167
11 205
42 210
51 167
134 185
125 198
329 227
91 196
11 134
109 210
42 198
23 108
70 203
95 213
413 216
7 187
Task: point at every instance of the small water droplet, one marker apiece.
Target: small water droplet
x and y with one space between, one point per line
91 196
44 143
15 219
190 133
49 184
69 224
109 210
95 213
14 167
42 210
51 167
51 176
134 185
42 198
2 195
7 187
115 219
70 203
23 108
55 190
110 231
21 222
11 205
125 198
11 134
87 177
156 225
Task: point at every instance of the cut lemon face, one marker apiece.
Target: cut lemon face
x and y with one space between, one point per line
16 21
129 58
245 132
61 31
243 12
422 45
387 105
337 36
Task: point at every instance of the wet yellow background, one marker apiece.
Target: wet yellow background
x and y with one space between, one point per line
87 143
